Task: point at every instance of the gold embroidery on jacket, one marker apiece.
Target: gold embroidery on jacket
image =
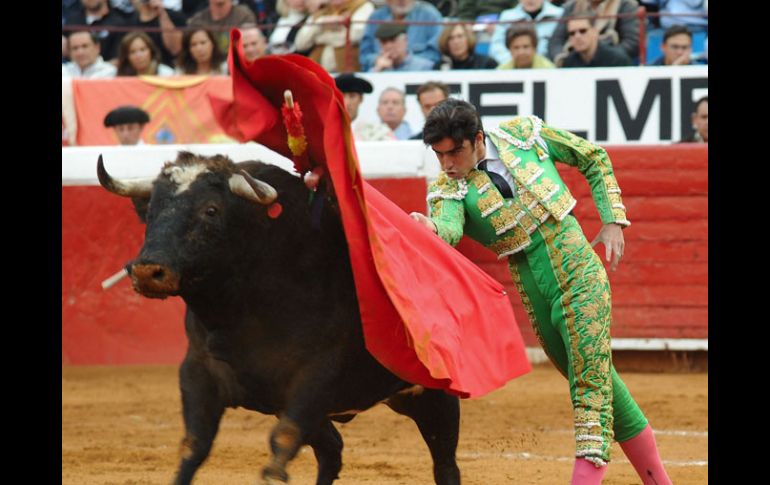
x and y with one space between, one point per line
489 202
529 172
505 219
480 180
507 245
562 205
545 189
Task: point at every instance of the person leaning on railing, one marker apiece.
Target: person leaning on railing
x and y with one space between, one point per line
324 34
293 15
423 39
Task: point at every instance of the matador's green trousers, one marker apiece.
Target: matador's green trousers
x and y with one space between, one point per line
565 290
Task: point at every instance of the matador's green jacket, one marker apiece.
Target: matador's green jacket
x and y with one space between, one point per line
504 226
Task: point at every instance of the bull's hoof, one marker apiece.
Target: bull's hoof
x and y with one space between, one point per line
270 481
272 475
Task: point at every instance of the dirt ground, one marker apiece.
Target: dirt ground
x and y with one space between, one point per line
123 425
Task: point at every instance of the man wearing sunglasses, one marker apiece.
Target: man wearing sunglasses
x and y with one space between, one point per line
587 51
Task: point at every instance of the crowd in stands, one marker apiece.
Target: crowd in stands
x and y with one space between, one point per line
191 37
374 35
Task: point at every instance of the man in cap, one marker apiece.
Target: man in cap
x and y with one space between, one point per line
394 51
424 28
128 122
353 89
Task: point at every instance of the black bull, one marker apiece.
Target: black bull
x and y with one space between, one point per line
272 317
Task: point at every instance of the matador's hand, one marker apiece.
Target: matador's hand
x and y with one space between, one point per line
423 220
612 237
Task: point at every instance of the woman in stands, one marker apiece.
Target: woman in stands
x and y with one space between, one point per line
138 55
200 54
457 44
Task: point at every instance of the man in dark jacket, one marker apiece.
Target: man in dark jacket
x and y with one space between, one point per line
587 51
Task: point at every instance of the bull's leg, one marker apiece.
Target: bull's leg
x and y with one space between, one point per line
202 409
437 415
327 446
304 415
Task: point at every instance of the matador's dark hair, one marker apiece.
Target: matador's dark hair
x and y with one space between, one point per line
452 118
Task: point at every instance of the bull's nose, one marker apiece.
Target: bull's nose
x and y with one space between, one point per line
154 280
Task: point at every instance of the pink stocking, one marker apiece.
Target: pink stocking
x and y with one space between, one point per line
586 473
642 452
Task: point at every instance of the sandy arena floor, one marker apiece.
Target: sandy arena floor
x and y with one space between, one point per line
122 425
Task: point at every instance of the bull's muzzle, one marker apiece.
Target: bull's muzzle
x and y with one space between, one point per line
154 280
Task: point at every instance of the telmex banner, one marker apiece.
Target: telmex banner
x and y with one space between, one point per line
634 105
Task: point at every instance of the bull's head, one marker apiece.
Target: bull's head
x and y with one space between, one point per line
194 208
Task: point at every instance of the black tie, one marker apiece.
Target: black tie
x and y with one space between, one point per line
501 184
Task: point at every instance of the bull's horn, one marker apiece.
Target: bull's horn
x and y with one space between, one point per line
126 188
244 185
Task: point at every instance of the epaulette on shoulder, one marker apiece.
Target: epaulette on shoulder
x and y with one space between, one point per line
522 132
447 188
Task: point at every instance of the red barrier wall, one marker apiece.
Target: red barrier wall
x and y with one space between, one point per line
659 291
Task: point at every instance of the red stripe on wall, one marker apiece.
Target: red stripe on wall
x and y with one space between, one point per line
659 291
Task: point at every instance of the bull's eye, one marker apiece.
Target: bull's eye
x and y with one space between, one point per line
211 211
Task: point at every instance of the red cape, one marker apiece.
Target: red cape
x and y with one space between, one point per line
429 314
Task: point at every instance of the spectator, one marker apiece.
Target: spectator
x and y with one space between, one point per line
423 39
69 7
253 41
391 109
86 62
152 14
353 89
457 44
127 8
429 95
265 11
65 50
472 9
622 32
587 51
138 55
293 15
324 34
200 54
128 123
394 51
693 13
220 17
543 12
97 12
191 7
700 122
522 41
676 47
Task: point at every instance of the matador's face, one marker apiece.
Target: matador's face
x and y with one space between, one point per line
457 160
